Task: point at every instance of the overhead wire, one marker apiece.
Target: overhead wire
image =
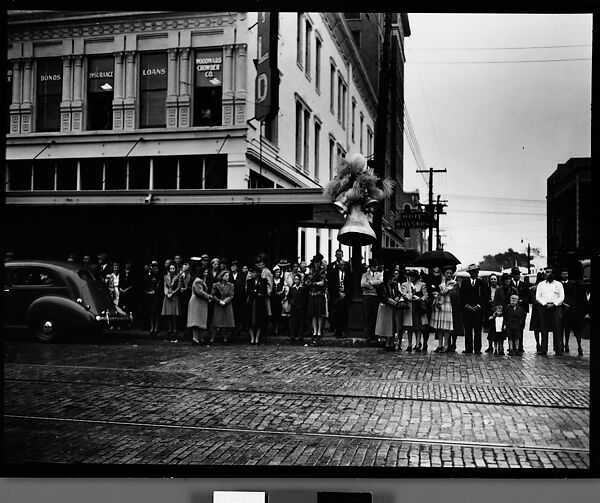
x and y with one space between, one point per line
497 62
496 48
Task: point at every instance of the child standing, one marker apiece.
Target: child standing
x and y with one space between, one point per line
296 296
514 319
496 332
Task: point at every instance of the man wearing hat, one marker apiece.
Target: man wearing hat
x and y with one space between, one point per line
523 293
369 282
550 296
339 285
472 295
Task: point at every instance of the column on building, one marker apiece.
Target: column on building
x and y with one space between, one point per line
27 102
129 102
228 85
65 104
172 88
118 97
15 106
185 86
240 83
77 103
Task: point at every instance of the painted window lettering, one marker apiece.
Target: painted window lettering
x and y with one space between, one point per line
154 71
45 78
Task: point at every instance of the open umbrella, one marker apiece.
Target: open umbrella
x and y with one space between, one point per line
436 258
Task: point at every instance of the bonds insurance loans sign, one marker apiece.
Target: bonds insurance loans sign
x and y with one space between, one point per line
414 220
209 69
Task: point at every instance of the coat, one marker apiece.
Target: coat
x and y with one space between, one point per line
472 295
198 305
524 295
222 314
333 281
514 318
415 295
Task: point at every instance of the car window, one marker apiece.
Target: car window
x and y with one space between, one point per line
34 276
86 275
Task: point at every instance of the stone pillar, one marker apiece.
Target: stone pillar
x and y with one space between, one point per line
77 104
240 84
172 77
15 106
228 86
129 103
65 105
186 84
26 106
117 104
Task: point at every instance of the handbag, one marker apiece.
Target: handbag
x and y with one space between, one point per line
285 306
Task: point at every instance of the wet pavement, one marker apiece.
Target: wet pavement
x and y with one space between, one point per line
124 399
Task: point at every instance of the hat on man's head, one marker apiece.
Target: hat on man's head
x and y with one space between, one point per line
504 276
283 262
515 270
154 262
204 256
317 258
472 267
373 262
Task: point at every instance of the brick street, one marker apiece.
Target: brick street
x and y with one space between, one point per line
127 401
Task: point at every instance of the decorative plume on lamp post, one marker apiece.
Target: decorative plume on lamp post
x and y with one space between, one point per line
357 191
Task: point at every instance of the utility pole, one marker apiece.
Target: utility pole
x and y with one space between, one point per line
430 207
381 126
439 210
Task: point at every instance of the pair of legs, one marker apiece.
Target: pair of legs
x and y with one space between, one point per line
443 341
551 321
172 324
153 324
198 335
498 347
417 337
254 334
317 327
226 333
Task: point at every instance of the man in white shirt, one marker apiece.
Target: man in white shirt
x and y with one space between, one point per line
550 296
369 282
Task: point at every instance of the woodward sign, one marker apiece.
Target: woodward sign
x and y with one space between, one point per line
209 69
414 219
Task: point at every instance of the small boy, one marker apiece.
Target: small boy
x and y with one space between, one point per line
296 296
514 320
496 331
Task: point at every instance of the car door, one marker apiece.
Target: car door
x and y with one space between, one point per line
7 299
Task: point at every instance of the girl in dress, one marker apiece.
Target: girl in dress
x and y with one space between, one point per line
496 332
441 317
222 320
197 313
170 307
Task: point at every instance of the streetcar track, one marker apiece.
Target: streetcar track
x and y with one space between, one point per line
340 378
343 436
310 394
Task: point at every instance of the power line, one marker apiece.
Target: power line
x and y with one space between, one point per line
496 62
496 48
537 201
499 213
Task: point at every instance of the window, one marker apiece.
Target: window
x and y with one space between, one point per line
203 172
362 126
44 175
153 90
19 175
208 88
331 157
258 181
356 37
9 96
318 51
353 119
302 135
100 93
215 172
318 241
302 245
369 142
332 89
307 58
139 173
352 15
299 44
305 135
66 174
317 148
115 174
92 174
341 101
299 138
164 170
48 94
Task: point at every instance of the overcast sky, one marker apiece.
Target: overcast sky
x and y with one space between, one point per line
500 129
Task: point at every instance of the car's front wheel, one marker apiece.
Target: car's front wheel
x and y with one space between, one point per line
46 329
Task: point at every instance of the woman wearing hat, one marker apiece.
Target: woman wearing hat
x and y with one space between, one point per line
223 294
441 316
276 299
414 317
197 313
316 281
388 322
369 282
153 296
256 291
170 307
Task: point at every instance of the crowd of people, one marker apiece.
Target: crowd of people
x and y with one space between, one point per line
212 298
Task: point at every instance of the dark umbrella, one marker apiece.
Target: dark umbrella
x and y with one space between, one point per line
436 258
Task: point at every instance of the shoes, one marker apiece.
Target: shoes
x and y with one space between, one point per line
437 350
489 350
195 342
425 348
443 350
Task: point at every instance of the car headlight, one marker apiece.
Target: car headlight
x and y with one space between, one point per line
80 302
98 318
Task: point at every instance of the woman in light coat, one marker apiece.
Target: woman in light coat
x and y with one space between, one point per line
197 315
441 316
414 318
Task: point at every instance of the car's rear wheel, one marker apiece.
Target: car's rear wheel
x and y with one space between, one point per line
46 329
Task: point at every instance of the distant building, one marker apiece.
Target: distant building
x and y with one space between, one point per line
569 212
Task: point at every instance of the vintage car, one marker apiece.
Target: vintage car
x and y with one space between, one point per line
54 298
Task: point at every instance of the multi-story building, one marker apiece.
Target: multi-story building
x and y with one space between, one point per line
134 133
569 212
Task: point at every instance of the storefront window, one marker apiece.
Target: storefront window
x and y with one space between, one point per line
139 173
43 175
153 90
48 94
208 88
165 172
203 172
91 174
19 175
100 93
66 174
115 174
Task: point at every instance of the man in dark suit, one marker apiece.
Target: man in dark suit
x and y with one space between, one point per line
339 285
104 268
297 297
568 307
238 279
582 314
524 298
472 296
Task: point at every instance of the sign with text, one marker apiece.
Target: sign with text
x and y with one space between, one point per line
100 75
209 69
414 220
153 69
267 72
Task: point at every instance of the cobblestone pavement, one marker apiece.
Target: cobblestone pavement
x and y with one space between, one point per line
163 403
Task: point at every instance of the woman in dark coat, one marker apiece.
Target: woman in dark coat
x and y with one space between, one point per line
126 289
153 297
457 320
256 291
316 281
276 299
